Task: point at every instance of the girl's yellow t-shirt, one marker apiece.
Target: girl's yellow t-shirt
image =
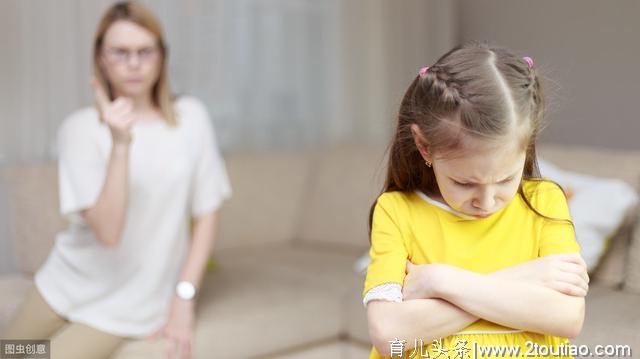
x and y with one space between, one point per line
410 226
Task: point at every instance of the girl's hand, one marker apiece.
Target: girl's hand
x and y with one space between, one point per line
565 273
117 114
421 281
178 330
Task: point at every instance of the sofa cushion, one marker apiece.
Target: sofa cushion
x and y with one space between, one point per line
344 183
601 162
262 184
267 193
338 349
611 317
357 327
265 299
32 206
13 288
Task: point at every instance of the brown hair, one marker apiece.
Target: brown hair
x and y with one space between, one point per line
476 90
140 15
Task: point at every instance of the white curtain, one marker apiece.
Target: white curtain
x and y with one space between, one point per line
264 68
274 74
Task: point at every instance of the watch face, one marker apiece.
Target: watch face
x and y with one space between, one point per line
185 290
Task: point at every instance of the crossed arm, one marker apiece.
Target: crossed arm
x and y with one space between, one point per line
545 295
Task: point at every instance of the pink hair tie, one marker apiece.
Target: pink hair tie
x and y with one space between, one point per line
423 71
528 60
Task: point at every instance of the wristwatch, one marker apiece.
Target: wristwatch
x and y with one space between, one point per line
185 290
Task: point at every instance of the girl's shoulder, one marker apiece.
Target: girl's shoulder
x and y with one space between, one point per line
397 200
540 188
394 196
544 194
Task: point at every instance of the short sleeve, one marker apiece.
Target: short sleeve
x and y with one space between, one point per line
388 252
557 236
210 183
81 163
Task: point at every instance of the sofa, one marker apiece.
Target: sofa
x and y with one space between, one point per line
283 283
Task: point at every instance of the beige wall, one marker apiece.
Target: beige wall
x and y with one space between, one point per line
383 43
590 50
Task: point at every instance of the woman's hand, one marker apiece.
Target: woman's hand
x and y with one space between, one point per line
421 281
117 114
179 329
565 273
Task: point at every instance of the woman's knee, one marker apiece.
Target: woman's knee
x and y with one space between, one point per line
33 319
80 341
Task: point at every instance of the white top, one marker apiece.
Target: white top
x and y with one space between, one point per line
174 173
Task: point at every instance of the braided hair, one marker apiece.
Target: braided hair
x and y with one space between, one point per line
477 90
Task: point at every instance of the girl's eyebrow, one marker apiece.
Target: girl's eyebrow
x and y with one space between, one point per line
471 180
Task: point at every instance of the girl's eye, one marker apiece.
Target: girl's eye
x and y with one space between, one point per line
467 185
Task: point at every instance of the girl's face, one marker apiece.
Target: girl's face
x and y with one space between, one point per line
481 181
130 58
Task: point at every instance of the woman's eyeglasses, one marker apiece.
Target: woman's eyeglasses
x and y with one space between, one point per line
122 55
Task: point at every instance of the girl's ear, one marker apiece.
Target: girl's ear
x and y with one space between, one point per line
419 140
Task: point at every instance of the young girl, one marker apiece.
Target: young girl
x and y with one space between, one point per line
133 172
469 247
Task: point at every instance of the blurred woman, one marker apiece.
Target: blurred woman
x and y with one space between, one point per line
134 171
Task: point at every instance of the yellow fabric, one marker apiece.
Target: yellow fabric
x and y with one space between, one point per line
406 226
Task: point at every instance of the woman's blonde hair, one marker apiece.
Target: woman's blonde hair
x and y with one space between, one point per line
139 15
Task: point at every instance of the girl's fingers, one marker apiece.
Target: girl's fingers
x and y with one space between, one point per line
409 266
573 258
570 289
575 269
577 292
574 280
569 257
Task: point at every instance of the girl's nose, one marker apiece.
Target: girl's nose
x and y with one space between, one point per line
485 200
